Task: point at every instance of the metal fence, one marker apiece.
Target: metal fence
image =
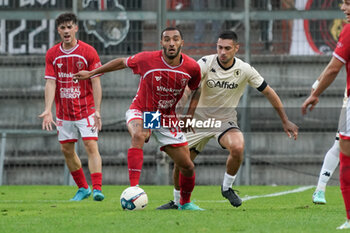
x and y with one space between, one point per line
288 42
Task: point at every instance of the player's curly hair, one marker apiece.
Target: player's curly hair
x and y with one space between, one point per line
66 17
228 35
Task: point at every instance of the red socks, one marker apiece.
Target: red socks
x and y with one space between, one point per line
96 180
135 161
186 188
344 176
79 178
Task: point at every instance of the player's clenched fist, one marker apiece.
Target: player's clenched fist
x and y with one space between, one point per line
81 75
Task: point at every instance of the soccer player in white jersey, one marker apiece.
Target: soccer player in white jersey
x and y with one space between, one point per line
341 57
224 78
164 75
77 104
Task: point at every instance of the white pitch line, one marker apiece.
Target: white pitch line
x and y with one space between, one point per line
297 190
246 198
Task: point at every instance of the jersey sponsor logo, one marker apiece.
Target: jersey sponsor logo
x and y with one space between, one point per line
175 92
151 120
65 75
59 65
70 93
164 104
184 82
213 70
158 78
221 84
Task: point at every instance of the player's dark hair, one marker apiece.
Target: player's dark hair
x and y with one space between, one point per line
171 29
228 35
66 17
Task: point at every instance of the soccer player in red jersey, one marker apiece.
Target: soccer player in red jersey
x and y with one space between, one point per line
164 75
77 104
341 56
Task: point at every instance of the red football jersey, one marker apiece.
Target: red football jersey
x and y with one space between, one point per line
161 85
342 52
74 100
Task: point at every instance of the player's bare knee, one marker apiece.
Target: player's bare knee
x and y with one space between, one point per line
67 152
91 147
186 169
236 150
138 137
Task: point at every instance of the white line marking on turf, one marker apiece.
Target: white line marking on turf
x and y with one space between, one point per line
297 190
246 198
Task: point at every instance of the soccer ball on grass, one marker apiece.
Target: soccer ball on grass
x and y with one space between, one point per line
133 198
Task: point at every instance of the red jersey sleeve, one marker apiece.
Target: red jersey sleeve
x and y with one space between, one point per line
49 67
342 51
195 80
134 62
94 61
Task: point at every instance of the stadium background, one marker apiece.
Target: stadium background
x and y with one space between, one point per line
289 42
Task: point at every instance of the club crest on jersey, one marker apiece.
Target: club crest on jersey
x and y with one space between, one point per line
237 73
109 32
151 120
80 65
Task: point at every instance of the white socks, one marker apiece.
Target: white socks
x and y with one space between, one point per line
176 197
330 163
228 181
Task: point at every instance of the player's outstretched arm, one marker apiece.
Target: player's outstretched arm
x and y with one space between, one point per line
289 127
50 90
113 65
326 78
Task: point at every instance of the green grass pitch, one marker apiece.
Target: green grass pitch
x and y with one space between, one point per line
47 209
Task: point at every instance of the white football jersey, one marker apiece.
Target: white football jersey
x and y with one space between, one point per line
222 88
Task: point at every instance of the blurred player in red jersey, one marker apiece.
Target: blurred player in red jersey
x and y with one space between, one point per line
164 75
341 56
77 104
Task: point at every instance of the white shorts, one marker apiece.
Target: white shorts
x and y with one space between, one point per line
198 140
165 136
68 131
344 122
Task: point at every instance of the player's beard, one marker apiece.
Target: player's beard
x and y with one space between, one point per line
172 56
225 60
